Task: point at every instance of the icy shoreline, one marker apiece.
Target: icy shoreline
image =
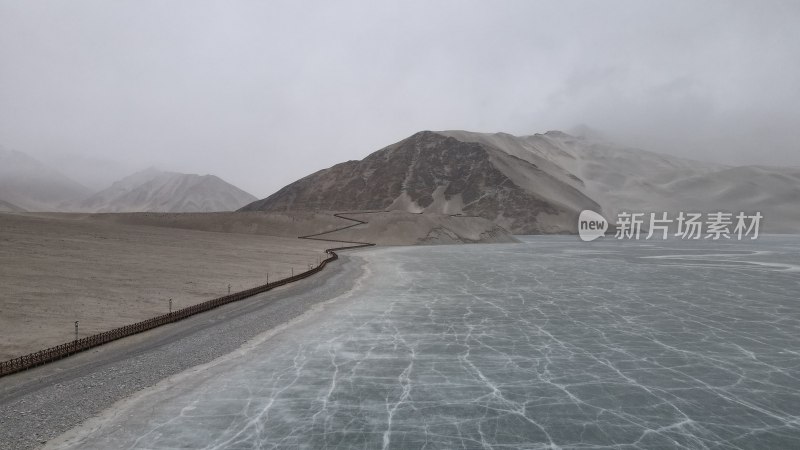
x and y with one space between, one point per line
40 404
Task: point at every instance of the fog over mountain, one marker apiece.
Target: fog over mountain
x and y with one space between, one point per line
8 207
155 191
26 183
629 179
263 93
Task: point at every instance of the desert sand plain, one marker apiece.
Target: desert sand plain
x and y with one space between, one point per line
57 269
110 270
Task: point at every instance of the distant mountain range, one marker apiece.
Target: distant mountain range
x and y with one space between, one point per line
29 185
527 184
8 207
155 191
539 183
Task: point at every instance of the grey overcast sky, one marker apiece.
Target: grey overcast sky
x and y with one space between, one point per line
264 92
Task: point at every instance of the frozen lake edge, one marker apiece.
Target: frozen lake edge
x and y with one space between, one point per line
557 344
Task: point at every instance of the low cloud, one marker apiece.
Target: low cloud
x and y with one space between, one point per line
262 93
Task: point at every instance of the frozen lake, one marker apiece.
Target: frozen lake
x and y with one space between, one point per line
553 343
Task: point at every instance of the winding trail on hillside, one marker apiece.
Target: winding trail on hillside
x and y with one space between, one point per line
357 244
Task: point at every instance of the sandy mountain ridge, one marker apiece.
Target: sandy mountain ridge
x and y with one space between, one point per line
629 179
433 173
26 184
540 183
156 191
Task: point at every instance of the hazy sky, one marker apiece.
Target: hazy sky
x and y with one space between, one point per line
264 92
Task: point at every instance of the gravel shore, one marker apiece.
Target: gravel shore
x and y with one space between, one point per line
40 404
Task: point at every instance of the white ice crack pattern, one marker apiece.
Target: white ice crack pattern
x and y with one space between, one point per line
551 344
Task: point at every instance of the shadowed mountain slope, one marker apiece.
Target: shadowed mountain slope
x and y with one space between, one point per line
539 183
430 172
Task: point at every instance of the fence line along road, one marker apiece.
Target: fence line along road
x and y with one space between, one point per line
61 351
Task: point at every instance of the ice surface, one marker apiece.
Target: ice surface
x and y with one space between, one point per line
551 344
